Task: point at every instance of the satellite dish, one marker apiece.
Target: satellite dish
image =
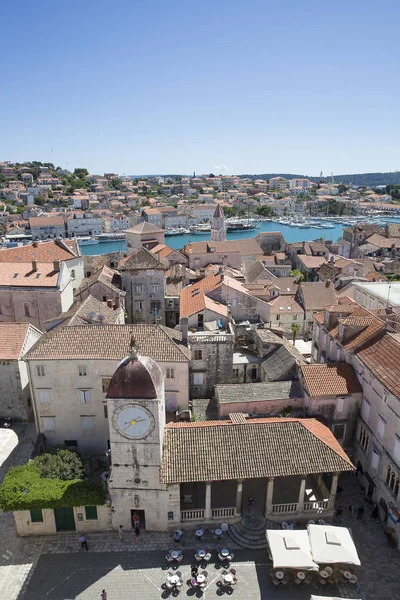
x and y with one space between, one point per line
100 317
91 315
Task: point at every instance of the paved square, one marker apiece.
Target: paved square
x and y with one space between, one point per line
141 575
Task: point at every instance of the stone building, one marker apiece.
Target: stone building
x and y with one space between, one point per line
38 281
143 235
70 369
332 393
271 241
105 285
15 397
143 281
211 362
47 227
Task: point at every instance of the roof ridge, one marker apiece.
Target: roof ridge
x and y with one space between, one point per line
341 453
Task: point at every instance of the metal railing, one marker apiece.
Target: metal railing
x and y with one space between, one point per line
317 505
195 514
222 512
284 508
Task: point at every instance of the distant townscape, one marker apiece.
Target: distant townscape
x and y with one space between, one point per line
216 390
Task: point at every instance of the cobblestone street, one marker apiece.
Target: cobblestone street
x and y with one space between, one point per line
56 568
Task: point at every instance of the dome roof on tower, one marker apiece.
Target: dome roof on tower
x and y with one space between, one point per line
136 377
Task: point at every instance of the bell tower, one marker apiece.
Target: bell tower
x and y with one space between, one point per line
218 227
136 414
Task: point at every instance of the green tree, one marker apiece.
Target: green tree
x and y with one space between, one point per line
230 211
40 200
115 183
81 173
265 211
298 275
295 328
61 464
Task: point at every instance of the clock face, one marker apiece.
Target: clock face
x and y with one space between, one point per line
133 422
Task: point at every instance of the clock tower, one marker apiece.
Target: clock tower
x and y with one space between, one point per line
136 413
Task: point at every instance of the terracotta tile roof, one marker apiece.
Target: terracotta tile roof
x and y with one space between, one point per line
330 379
383 242
105 275
43 252
368 325
22 275
382 357
273 447
46 221
245 247
192 297
141 259
110 342
374 276
12 338
311 262
144 227
317 295
285 305
319 317
90 311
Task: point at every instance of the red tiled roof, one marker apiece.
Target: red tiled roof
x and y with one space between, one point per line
249 448
382 357
43 252
22 275
330 379
12 337
192 297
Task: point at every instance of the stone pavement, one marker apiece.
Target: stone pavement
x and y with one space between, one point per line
142 575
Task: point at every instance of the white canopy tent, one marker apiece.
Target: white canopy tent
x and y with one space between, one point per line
290 549
331 544
325 598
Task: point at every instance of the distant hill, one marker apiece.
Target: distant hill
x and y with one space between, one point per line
367 179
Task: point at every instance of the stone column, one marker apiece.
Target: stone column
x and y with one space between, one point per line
300 504
270 493
332 495
239 498
207 513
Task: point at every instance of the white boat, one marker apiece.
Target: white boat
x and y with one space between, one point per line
110 237
86 241
176 231
200 229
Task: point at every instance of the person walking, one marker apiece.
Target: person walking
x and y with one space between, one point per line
137 534
177 538
83 541
351 510
121 533
338 514
360 513
374 513
250 502
103 595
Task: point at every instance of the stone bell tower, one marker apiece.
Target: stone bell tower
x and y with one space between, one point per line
136 413
218 227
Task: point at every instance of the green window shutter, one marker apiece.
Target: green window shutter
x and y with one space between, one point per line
91 513
36 516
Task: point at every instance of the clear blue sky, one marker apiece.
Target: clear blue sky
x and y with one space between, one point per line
142 86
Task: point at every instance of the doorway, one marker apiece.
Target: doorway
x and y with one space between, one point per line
257 489
65 520
141 516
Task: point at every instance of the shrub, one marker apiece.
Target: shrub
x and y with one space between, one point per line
26 488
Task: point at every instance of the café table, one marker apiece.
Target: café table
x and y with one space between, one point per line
199 533
224 552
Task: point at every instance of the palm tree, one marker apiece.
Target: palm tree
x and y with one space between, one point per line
298 275
295 328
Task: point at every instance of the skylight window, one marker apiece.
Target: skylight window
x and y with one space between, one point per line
15 275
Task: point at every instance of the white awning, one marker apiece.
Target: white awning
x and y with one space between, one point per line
290 549
326 598
331 544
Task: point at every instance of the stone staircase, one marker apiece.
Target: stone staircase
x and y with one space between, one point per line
250 532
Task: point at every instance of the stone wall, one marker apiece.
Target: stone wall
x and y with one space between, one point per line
215 364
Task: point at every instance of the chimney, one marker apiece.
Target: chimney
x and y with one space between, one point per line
332 260
109 303
34 265
56 266
184 330
327 283
117 301
34 244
